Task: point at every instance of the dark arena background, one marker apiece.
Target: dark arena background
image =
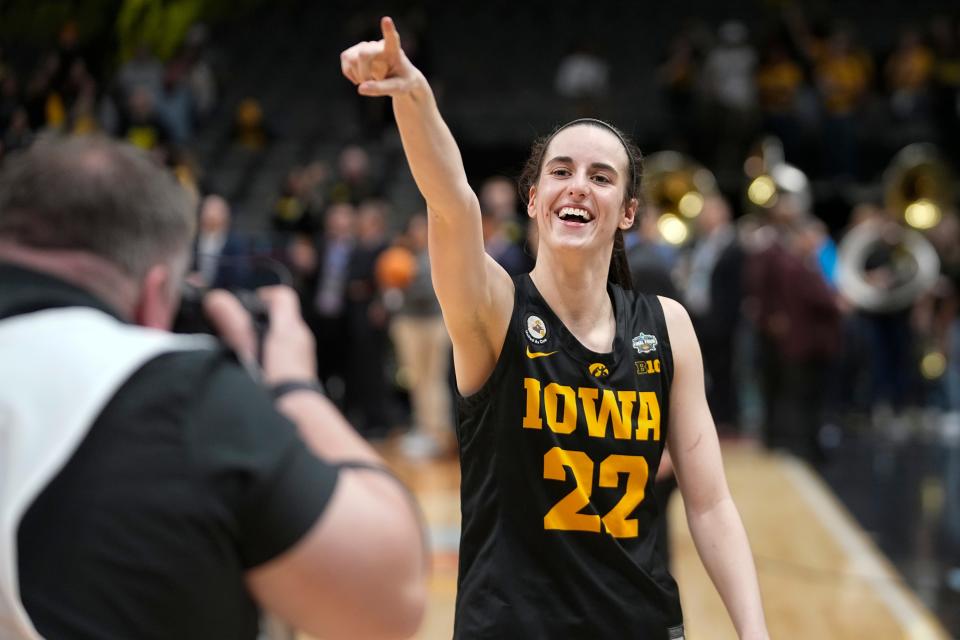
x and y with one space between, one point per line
837 396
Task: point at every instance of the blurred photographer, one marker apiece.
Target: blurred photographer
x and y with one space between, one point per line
148 486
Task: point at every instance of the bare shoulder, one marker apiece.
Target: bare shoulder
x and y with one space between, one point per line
678 321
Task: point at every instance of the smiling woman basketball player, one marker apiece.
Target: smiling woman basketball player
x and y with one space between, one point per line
571 386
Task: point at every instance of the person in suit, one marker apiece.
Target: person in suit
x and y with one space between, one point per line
221 256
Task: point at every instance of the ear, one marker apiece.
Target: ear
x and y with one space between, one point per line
629 214
157 302
531 200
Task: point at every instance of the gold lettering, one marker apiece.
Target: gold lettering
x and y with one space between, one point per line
597 425
569 421
531 420
648 422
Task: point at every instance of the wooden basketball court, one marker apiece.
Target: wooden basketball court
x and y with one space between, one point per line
820 575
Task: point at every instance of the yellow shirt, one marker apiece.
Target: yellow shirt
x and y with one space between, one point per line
843 81
777 84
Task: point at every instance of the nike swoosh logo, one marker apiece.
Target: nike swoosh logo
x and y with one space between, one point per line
538 354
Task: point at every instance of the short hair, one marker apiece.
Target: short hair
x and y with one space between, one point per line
96 195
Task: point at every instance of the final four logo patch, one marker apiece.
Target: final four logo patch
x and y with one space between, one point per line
645 343
536 330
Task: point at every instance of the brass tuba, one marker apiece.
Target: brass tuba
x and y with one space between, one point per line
676 187
884 265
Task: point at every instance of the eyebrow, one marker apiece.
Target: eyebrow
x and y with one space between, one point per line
595 165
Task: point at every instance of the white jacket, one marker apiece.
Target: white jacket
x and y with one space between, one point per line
58 370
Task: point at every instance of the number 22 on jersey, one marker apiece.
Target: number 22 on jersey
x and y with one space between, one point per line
566 515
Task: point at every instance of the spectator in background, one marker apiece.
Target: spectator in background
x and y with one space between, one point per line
842 75
83 117
779 80
221 257
812 342
797 319
327 313
18 134
198 71
583 79
908 73
300 256
503 234
730 92
854 368
678 75
142 126
650 260
713 296
143 71
423 354
250 129
890 337
290 214
499 199
299 209
175 105
367 398
40 98
355 180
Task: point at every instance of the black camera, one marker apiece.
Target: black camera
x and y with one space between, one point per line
191 318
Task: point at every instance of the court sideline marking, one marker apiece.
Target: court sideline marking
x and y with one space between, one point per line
865 558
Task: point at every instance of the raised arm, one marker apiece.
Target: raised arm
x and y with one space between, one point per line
475 293
715 524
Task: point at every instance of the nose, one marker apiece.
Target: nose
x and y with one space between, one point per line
579 185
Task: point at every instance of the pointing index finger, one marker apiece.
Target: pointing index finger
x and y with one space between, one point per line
391 38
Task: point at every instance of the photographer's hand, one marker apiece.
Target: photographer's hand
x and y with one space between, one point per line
289 352
233 324
289 355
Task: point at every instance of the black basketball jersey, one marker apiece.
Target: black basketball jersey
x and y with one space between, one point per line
559 451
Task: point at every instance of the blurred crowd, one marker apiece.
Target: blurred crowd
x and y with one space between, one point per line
840 107
155 105
789 357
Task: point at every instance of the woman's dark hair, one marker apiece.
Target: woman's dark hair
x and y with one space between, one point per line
619 269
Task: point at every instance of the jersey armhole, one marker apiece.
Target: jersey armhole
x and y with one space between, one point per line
481 395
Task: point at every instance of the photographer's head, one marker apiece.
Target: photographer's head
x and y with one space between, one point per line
103 215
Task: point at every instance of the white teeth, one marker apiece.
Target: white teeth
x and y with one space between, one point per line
573 212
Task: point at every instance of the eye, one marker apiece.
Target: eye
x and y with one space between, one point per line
560 172
602 179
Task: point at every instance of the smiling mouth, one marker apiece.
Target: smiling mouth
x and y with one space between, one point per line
575 215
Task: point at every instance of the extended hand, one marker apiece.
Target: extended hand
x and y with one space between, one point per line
232 323
380 68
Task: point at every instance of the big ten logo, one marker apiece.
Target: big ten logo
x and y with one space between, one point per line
647 366
561 406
